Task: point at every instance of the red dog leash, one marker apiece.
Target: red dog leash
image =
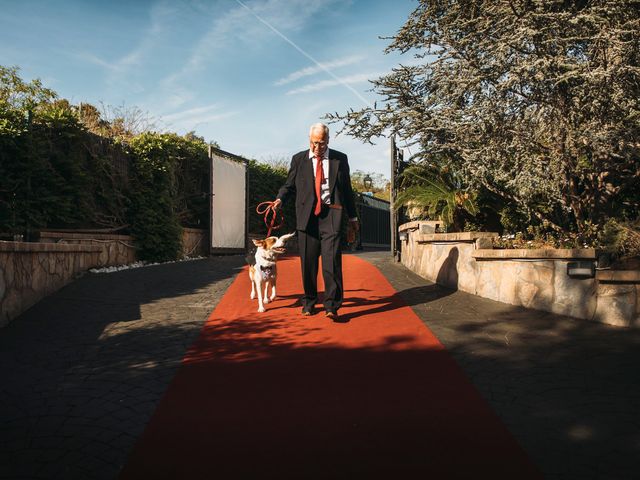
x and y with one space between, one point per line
266 209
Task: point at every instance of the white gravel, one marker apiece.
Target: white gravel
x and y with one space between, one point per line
117 268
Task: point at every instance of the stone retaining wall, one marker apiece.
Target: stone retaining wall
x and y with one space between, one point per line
115 249
535 279
31 271
120 249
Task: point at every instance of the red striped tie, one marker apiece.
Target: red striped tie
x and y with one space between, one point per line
319 180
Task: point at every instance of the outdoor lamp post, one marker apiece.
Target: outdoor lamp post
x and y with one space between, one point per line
368 183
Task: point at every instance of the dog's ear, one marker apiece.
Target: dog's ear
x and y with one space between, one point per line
286 237
258 243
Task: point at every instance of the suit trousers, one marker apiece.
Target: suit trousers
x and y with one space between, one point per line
322 239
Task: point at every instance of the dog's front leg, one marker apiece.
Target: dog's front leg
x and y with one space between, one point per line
273 289
266 291
253 285
259 290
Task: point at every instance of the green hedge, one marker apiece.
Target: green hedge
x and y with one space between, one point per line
62 166
54 173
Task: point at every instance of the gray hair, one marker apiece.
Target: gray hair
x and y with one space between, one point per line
316 126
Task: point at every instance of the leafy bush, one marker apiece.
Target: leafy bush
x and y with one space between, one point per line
43 162
64 166
621 239
438 194
543 111
167 178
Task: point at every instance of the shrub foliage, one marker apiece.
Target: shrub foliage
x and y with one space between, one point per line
66 166
63 166
536 103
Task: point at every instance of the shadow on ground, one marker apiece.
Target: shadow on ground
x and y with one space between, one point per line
568 389
83 370
278 395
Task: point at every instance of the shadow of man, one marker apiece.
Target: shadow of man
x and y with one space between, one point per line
448 273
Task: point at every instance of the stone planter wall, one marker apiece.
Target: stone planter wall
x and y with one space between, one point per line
194 242
120 249
535 279
31 271
114 249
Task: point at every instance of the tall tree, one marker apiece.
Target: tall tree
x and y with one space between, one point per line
536 101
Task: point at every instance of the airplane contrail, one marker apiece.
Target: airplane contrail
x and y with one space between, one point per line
320 65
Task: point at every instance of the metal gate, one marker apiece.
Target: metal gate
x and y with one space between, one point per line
375 221
228 207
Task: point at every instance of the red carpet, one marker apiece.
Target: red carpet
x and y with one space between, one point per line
277 395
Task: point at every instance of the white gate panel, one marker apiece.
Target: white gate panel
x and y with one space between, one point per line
228 203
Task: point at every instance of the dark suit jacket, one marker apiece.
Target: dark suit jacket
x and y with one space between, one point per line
300 181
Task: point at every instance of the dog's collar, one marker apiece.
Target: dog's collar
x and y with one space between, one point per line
265 262
267 272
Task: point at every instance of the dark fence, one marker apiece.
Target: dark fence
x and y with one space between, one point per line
375 221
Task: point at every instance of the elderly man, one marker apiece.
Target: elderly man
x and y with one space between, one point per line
320 179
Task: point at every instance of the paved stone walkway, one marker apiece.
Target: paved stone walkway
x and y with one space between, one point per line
83 370
568 390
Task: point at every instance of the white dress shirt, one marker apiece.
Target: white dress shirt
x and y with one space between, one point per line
325 194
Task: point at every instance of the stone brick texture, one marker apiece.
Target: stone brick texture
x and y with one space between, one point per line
534 279
83 370
567 389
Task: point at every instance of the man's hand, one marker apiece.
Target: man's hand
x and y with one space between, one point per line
352 228
277 203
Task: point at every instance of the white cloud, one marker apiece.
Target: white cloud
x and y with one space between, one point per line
204 119
239 24
305 72
350 80
188 120
160 14
173 117
91 58
176 97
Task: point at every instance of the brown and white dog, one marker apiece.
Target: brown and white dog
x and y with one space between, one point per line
263 271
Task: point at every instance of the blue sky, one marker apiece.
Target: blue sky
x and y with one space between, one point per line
242 73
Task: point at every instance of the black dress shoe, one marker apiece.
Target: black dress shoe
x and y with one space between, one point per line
307 312
333 315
